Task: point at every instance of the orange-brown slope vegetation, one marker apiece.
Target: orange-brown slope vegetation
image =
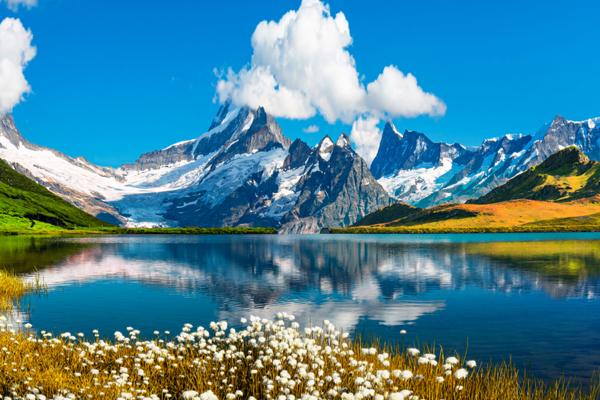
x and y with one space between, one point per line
507 213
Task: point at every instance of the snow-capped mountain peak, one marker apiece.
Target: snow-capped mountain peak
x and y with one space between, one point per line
343 140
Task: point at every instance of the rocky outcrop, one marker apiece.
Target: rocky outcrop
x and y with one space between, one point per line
263 135
179 152
389 156
339 192
403 152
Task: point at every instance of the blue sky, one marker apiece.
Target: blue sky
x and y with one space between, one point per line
112 80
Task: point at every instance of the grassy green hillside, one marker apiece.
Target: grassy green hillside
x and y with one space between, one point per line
565 176
24 203
387 214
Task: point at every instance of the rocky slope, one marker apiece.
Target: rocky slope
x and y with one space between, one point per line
412 167
242 172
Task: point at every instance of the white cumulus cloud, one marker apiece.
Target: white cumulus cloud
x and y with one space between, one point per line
14 4
15 52
301 66
398 95
311 129
366 137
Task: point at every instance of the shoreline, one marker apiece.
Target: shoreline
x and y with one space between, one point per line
502 229
143 231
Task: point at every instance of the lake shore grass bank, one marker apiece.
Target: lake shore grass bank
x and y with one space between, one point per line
482 229
258 359
46 229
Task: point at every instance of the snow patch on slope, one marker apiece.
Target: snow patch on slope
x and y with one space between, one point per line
285 198
415 184
229 176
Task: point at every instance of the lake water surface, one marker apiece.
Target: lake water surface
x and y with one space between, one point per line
531 297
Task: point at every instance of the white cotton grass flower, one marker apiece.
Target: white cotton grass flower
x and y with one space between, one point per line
413 352
452 360
405 375
439 379
461 373
189 394
471 364
400 395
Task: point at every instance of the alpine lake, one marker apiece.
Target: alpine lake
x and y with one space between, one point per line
533 299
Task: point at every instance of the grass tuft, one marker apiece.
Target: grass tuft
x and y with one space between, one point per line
13 288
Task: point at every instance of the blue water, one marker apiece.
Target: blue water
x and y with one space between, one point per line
533 298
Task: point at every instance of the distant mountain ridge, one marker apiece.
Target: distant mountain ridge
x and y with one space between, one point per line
424 174
566 175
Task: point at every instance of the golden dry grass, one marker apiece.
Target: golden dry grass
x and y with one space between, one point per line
12 288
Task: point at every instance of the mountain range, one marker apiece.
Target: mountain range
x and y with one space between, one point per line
243 171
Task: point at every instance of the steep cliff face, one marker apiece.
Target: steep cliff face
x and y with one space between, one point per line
563 133
338 190
389 156
177 153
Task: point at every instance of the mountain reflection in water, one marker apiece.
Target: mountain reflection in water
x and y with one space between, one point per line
256 271
506 297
